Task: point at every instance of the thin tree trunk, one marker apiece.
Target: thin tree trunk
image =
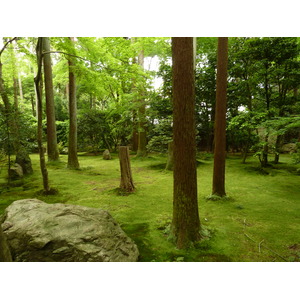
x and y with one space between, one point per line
142 137
22 156
135 135
37 81
52 148
185 222
5 255
126 183
72 148
32 106
16 102
218 187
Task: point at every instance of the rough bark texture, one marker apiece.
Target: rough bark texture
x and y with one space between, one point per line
52 149
72 146
37 81
5 255
170 162
186 222
126 183
218 188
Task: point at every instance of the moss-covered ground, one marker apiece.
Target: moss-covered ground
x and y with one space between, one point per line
259 221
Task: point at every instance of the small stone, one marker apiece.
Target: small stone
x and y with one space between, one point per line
106 155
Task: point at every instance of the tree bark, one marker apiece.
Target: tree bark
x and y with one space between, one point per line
126 183
37 81
72 147
186 222
142 137
218 188
5 255
52 149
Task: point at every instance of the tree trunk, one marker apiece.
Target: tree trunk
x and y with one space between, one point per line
16 102
186 222
52 149
72 147
277 149
21 153
135 135
37 81
170 162
218 187
5 255
126 183
142 142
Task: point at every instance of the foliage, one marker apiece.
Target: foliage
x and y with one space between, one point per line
160 136
296 156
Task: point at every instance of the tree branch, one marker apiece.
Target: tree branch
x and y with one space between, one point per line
5 45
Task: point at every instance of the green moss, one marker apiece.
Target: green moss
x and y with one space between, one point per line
262 206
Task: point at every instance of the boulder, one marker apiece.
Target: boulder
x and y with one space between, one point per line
40 232
23 159
106 155
15 172
289 148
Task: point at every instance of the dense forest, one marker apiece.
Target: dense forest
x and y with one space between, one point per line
191 144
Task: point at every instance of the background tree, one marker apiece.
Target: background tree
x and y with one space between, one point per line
72 142
37 81
218 188
11 118
186 222
52 149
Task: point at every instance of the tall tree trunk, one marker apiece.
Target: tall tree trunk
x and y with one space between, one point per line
142 138
72 147
32 105
52 148
16 102
19 74
37 81
135 134
22 156
5 255
218 187
186 222
126 183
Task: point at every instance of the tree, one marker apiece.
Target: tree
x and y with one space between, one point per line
22 156
142 141
37 81
72 146
186 222
126 183
218 188
52 149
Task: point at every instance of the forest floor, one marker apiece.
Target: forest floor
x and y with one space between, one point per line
259 222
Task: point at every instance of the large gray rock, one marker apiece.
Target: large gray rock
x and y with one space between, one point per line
36 231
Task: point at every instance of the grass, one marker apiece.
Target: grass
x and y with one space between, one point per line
259 221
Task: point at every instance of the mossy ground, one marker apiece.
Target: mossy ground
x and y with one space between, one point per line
259 222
